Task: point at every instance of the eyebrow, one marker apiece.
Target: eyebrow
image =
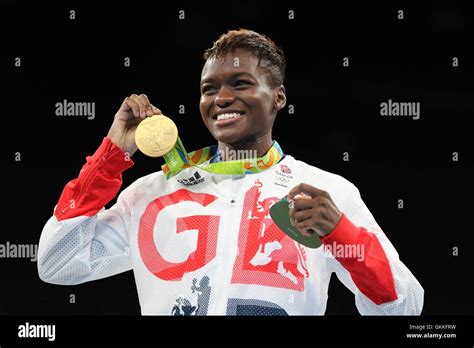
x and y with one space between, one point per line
233 76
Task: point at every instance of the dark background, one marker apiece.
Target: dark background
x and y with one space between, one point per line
337 109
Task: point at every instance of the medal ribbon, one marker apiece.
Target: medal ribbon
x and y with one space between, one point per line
178 159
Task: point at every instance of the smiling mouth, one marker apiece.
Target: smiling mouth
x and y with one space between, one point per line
227 118
229 115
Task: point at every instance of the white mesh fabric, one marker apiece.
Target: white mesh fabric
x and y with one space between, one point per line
409 291
154 229
83 248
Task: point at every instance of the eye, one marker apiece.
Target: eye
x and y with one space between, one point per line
207 89
242 84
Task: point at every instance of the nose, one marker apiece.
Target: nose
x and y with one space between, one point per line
224 98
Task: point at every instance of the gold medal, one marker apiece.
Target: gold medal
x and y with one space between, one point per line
156 135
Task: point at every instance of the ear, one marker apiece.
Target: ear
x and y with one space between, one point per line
280 98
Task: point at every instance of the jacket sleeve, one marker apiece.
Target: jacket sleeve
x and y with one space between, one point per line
82 241
366 262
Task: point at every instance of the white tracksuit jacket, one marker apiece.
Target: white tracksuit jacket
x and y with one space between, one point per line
204 244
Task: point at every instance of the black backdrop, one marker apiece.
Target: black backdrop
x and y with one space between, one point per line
336 110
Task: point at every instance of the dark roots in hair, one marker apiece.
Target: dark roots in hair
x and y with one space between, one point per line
259 45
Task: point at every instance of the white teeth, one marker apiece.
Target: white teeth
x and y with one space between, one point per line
226 116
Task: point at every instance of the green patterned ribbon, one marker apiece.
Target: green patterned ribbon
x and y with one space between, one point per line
178 159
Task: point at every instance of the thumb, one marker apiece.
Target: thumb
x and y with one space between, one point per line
156 111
